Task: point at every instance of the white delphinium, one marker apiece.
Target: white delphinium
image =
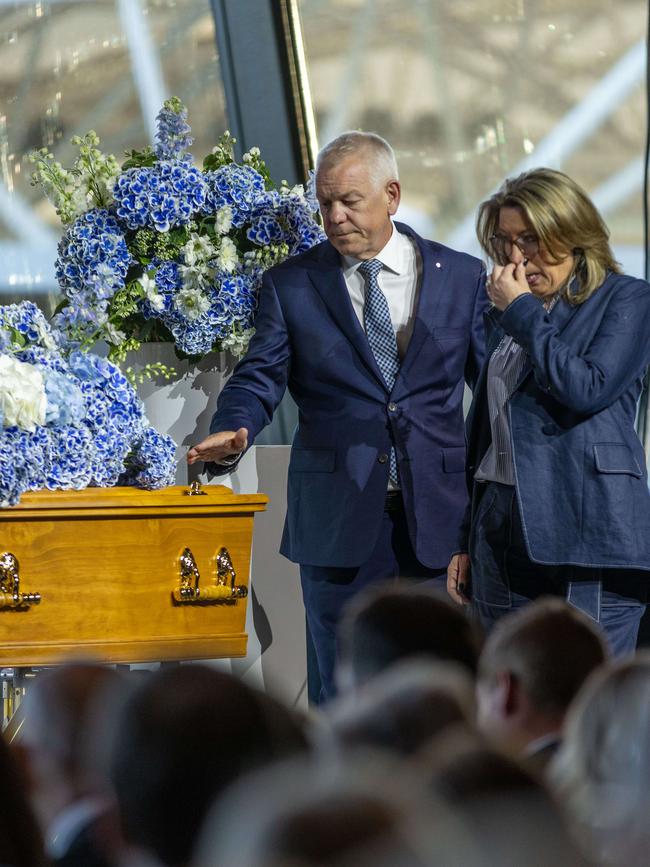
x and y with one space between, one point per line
223 220
114 334
228 258
251 156
151 293
198 248
237 341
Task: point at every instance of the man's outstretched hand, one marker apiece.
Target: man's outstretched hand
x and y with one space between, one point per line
218 446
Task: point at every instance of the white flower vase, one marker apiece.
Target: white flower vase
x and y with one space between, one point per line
183 405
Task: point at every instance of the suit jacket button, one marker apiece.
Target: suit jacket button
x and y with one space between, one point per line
382 458
550 429
392 407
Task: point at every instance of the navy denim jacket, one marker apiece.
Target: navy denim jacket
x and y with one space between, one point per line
580 468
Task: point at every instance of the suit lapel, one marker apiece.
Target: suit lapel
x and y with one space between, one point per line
327 278
433 282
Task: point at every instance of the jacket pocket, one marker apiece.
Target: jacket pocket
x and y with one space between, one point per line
453 459
312 460
616 458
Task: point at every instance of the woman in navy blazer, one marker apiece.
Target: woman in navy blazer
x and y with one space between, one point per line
557 474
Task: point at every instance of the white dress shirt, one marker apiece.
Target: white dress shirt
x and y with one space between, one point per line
398 280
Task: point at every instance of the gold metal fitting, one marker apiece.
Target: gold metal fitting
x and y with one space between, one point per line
222 592
11 599
195 489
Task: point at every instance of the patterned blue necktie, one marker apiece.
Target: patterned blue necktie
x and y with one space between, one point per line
381 336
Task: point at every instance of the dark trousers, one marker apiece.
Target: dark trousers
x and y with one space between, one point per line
504 578
326 591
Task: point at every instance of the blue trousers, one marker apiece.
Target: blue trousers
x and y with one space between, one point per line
326 590
504 578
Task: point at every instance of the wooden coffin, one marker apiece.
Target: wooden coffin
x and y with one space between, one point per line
115 580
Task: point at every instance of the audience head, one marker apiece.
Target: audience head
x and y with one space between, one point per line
512 815
364 812
20 838
404 707
602 770
358 192
185 734
532 665
384 625
68 716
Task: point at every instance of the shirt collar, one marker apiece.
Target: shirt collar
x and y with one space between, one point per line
393 256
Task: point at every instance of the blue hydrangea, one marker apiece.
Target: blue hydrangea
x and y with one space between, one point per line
94 421
93 254
10 483
173 131
161 196
233 301
26 320
65 402
151 464
168 283
236 186
284 218
71 469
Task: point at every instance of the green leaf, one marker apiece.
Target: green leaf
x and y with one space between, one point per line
63 303
17 338
136 159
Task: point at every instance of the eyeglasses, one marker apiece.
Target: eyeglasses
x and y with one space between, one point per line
502 247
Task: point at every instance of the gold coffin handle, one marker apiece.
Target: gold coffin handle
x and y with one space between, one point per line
11 599
223 592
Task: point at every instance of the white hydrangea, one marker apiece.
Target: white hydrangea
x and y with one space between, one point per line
22 394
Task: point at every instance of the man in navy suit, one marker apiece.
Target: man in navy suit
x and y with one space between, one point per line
376 475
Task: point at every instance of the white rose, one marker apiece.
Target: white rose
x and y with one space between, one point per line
22 394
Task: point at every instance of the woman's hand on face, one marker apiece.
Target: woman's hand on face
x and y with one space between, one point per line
506 283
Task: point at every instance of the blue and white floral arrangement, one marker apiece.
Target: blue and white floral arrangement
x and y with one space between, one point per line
69 420
159 250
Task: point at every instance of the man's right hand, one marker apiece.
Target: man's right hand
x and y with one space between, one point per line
216 447
458 579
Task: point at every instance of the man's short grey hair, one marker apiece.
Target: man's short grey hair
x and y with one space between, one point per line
382 156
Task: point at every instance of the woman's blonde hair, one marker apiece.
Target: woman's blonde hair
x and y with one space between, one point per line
564 219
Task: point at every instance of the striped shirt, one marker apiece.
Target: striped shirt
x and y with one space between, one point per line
505 367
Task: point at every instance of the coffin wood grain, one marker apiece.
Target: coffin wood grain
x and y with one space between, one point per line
105 562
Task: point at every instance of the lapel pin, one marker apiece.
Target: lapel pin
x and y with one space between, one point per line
438 265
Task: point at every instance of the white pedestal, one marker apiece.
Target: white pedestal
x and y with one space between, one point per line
276 659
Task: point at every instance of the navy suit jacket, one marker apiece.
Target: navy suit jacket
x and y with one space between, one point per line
580 469
309 339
